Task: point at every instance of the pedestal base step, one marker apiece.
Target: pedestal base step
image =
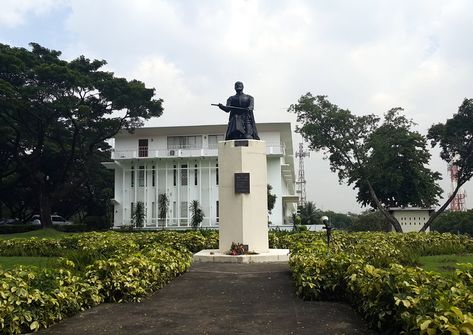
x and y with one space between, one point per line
215 256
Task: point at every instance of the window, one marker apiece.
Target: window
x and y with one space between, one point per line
184 142
195 174
214 139
143 148
184 209
132 211
153 176
217 210
141 176
174 175
132 176
153 209
184 174
216 174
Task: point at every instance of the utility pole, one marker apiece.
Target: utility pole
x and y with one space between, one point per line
300 183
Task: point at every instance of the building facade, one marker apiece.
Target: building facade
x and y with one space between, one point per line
411 219
176 165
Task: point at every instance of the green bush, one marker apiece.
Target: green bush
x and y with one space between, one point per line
32 247
31 299
372 271
95 267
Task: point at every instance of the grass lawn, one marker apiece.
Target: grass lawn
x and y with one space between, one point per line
41 233
7 263
443 264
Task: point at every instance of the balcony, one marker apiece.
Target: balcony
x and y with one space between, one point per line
272 149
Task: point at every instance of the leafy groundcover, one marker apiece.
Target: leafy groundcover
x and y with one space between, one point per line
93 268
376 273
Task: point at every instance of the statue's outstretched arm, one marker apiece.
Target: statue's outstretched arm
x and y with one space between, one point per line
224 108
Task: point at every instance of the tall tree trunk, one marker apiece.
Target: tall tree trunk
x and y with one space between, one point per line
44 207
441 209
392 220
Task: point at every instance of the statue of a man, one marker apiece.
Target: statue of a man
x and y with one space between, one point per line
241 123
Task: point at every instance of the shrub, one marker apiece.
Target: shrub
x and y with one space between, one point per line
367 270
95 267
130 278
197 214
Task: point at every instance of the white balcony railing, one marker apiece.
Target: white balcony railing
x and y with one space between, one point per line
271 149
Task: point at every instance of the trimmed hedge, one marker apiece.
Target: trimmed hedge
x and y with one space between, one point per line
96 267
374 272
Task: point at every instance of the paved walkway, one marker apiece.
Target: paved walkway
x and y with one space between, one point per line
217 298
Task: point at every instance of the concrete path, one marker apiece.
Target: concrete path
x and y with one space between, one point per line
220 299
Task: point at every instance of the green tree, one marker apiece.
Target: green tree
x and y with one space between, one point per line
138 218
370 221
296 222
354 149
455 139
396 168
92 197
163 205
271 198
197 214
454 222
309 214
55 115
337 220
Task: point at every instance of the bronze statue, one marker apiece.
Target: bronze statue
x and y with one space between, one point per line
241 123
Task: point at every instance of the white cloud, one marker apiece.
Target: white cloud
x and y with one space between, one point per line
181 104
14 12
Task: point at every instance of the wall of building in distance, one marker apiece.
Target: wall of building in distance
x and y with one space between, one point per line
411 220
181 162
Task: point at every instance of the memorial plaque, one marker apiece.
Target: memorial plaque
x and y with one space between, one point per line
242 182
241 143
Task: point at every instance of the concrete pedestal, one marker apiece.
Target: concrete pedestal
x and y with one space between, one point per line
215 256
243 216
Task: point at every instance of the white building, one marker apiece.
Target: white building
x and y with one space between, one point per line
181 162
412 219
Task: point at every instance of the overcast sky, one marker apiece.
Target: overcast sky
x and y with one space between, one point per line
367 56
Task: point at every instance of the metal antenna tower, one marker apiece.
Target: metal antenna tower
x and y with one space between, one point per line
458 202
300 183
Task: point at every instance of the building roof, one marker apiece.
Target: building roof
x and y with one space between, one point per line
400 209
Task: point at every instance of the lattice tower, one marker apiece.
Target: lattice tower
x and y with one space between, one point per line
300 183
458 202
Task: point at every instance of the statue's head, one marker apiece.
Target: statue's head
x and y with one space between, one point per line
239 86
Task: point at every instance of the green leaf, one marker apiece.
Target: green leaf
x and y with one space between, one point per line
34 326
